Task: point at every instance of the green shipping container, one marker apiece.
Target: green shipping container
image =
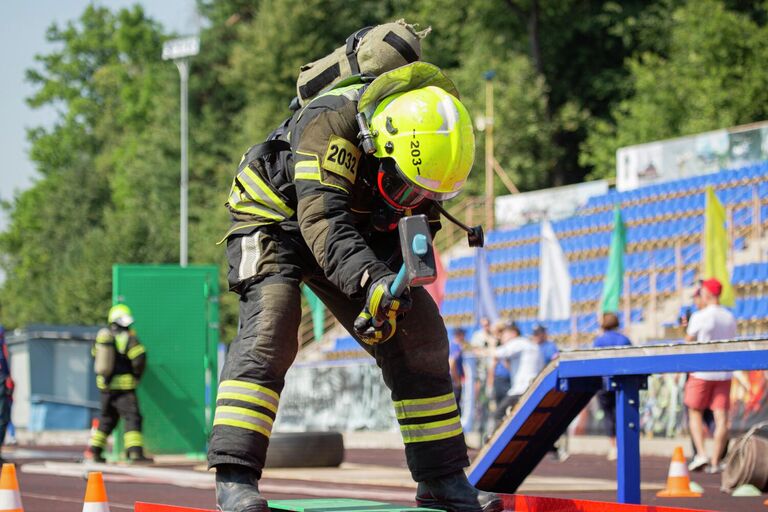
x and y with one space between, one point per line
176 313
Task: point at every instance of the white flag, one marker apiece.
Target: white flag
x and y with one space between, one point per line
554 278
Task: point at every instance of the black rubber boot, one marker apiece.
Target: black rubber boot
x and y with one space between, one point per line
237 490
136 456
454 493
95 454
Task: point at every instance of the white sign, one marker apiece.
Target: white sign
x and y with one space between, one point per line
703 153
552 203
180 48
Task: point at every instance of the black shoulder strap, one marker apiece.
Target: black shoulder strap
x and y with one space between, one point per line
352 42
269 147
402 47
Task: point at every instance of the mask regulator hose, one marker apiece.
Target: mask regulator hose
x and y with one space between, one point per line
475 235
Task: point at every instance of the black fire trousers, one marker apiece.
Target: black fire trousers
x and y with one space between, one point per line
414 362
114 405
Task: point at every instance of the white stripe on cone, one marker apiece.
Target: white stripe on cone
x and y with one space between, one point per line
9 500
95 507
678 469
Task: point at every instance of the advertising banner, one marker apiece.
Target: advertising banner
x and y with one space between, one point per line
682 157
552 203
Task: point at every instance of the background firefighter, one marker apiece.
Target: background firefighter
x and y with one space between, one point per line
120 360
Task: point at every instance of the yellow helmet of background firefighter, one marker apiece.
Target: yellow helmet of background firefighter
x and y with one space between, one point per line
426 144
120 314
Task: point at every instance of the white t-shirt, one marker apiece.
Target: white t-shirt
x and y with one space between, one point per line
482 339
529 365
714 322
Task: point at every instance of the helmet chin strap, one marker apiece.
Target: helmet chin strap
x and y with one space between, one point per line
475 235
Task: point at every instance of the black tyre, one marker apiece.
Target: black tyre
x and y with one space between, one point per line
305 450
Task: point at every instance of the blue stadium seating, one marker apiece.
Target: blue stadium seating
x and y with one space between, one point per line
663 221
657 217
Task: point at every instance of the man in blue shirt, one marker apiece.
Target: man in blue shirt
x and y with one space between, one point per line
611 337
6 393
547 347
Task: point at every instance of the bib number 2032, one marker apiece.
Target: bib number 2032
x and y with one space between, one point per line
342 157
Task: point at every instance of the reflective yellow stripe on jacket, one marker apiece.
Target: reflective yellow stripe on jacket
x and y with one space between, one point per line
121 382
259 198
135 351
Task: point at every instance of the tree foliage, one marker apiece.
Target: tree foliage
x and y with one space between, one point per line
710 76
574 80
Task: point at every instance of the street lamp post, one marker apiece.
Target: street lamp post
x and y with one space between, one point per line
179 51
489 210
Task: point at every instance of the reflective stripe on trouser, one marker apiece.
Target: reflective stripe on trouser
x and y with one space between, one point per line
116 405
254 373
253 399
428 419
98 439
133 439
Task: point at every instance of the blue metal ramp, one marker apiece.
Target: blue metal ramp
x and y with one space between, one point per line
565 387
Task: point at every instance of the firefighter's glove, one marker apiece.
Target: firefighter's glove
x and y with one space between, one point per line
371 334
382 305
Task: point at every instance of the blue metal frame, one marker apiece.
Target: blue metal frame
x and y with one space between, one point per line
625 374
498 443
628 436
667 363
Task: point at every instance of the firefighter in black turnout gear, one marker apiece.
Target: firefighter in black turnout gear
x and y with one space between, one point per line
120 360
319 204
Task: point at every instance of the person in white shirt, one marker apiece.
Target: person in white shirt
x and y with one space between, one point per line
709 390
529 364
483 337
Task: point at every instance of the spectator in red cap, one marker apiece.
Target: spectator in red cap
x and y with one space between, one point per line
709 390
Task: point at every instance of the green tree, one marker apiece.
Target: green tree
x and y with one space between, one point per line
711 76
105 172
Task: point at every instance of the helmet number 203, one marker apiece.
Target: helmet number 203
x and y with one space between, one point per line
416 155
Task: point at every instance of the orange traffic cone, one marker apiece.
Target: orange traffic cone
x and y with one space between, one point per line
10 499
678 480
95 494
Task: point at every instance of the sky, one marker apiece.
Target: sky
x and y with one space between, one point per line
23 24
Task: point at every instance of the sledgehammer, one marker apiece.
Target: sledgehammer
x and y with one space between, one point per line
418 256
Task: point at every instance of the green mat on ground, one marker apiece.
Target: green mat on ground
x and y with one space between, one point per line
341 505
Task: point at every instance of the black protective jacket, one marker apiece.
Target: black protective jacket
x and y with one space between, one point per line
327 185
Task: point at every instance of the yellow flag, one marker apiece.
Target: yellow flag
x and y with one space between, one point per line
716 247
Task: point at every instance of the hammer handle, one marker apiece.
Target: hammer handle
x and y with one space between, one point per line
399 284
397 288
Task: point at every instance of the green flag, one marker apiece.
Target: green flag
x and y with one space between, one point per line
318 312
716 247
614 278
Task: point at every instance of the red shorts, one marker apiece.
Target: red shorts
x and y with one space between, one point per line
707 394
